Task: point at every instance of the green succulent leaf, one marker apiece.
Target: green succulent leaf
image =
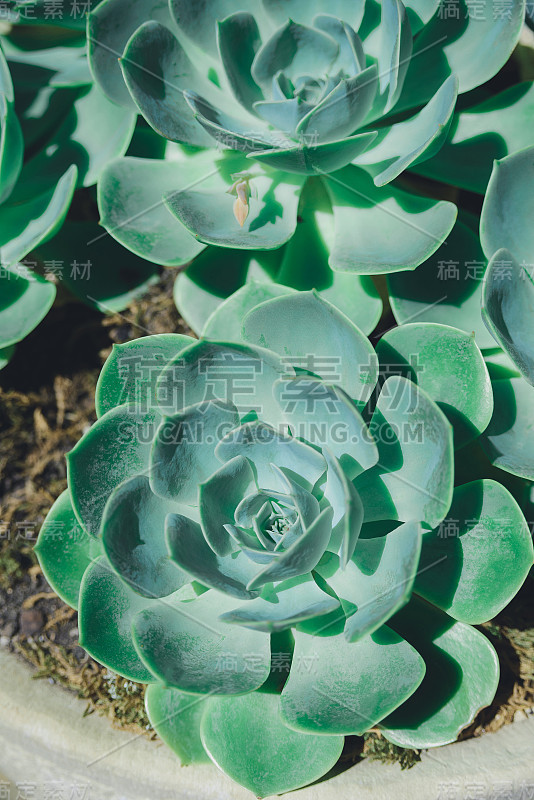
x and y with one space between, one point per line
283 605
156 71
130 201
131 371
504 221
447 364
65 550
472 47
109 27
315 159
248 740
485 552
218 499
447 288
415 139
462 673
325 417
185 646
238 40
352 685
11 142
227 319
383 229
45 211
190 551
116 447
480 134
508 309
272 212
176 716
288 326
25 299
107 609
395 51
413 478
509 438
377 581
182 453
133 536
264 446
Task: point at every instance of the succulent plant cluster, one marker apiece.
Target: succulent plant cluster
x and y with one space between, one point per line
288 533
260 530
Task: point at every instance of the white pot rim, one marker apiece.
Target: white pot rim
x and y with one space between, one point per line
46 740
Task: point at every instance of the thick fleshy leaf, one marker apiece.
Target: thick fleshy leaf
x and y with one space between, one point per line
305 263
378 580
218 498
109 27
265 446
305 11
45 213
485 550
296 50
176 716
447 288
131 371
130 201
227 319
351 685
183 453
247 739
395 50
490 130
471 46
413 478
107 609
25 299
238 40
272 212
65 550
412 140
188 548
6 354
447 364
133 536
201 25
283 605
289 325
351 58
324 416
348 510
301 557
115 448
187 647
156 71
343 110
94 132
509 438
237 374
462 673
505 221
214 276
508 309
11 142
315 159
383 229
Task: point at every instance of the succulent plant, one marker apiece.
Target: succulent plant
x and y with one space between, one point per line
58 131
268 531
304 125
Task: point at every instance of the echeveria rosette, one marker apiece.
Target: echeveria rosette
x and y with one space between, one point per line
305 119
259 538
58 131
